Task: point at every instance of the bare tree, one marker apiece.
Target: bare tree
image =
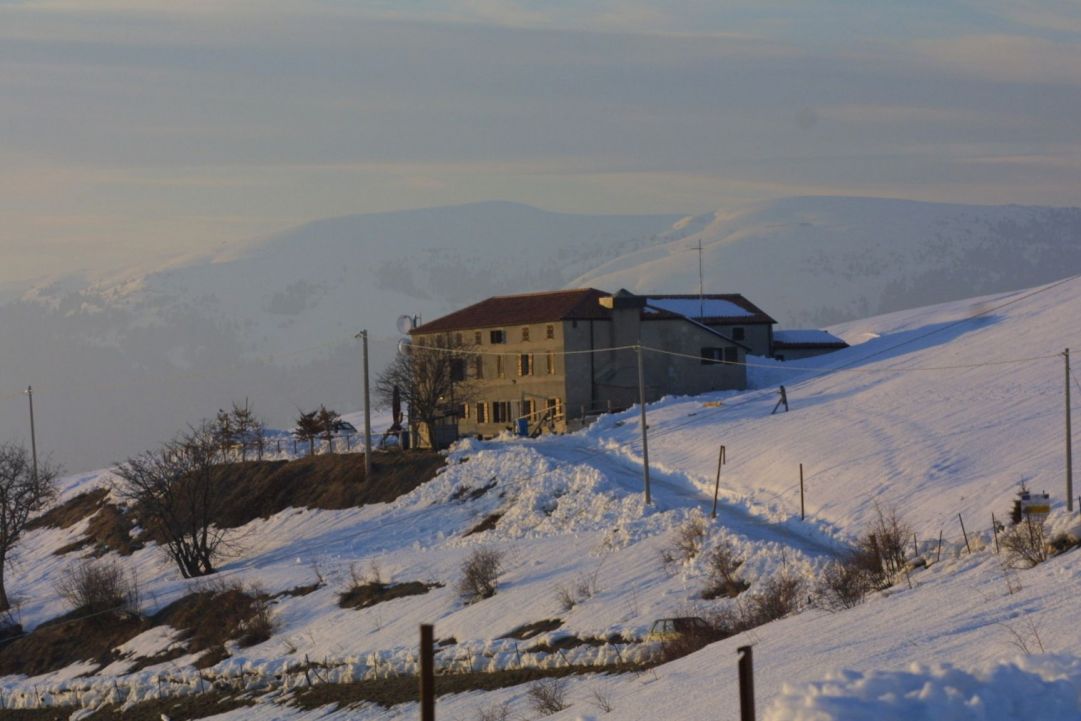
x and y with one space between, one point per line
22 491
177 494
433 380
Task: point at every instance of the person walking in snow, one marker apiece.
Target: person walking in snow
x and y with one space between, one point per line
783 401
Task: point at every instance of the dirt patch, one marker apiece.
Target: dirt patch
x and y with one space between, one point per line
70 639
486 525
468 493
529 630
297 591
71 511
259 489
109 528
59 713
368 594
207 619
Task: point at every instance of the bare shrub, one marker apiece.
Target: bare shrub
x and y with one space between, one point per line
885 542
24 489
602 699
548 695
690 537
844 584
480 574
1026 543
94 587
260 626
566 598
722 564
495 712
778 597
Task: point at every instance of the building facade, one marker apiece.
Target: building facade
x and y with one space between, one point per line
543 362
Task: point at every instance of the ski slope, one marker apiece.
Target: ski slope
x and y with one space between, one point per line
937 412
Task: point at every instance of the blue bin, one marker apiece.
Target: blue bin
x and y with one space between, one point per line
523 426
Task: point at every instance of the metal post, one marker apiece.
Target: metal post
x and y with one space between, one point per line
746 683
363 335
963 533
33 434
1069 438
717 485
427 672
802 508
994 527
642 408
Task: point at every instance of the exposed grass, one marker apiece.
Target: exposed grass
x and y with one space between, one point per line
209 618
109 528
70 639
536 628
487 523
363 595
259 489
395 690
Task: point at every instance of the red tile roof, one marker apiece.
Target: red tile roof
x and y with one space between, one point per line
506 310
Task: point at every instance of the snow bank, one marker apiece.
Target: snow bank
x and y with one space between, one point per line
1042 687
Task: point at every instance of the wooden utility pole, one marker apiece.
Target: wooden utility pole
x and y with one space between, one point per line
642 408
802 508
427 672
717 485
363 335
1069 438
33 433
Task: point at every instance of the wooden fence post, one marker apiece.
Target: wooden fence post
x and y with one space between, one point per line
746 683
802 509
964 533
427 672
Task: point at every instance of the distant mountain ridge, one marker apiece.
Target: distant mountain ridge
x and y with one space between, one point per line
822 260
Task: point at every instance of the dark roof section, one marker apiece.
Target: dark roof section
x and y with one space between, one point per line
511 310
755 314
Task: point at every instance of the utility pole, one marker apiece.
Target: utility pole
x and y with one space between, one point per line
717 485
642 408
701 285
1069 438
33 435
363 335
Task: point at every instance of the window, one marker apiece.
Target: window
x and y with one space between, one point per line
463 411
458 340
457 369
525 333
497 336
478 367
528 409
550 362
731 355
499 372
477 337
482 412
738 334
712 355
501 412
556 406
549 331
525 364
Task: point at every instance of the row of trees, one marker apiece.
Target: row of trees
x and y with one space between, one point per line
320 423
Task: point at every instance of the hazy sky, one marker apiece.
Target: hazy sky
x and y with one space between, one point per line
132 130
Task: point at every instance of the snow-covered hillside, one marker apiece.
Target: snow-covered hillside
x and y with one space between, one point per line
934 412
820 260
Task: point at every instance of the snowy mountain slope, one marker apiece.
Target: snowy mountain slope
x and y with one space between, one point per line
924 415
273 320
819 260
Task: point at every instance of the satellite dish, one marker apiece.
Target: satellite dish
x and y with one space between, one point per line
405 323
404 345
